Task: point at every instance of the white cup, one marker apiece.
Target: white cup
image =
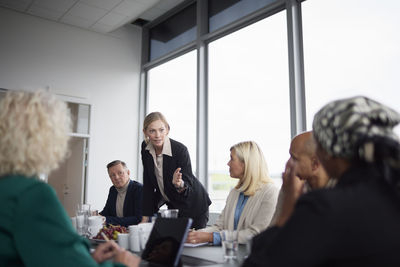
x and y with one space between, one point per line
144 236
96 220
171 213
144 233
123 240
230 244
95 224
134 238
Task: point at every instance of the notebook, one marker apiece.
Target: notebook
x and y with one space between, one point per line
165 243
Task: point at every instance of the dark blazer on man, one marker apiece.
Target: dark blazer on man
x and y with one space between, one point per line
132 205
192 202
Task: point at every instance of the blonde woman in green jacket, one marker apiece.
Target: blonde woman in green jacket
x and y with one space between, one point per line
35 230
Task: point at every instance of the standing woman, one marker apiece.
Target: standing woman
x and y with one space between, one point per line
167 175
251 204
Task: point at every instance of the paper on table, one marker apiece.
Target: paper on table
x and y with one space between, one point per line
195 245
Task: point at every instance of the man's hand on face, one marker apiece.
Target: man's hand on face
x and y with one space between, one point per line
292 188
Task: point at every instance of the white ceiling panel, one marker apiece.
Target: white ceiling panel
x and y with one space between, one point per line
20 5
84 11
139 1
76 21
97 15
112 18
105 4
166 4
57 5
99 27
44 12
152 13
129 8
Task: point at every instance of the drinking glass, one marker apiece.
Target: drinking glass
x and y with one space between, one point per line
82 219
170 213
229 244
248 246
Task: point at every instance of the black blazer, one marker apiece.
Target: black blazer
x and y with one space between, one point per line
192 202
132 205
356 223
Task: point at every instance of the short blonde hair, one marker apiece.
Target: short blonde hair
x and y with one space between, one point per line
33 133
255 167
154 116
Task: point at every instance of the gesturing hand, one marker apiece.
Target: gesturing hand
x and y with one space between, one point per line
177 178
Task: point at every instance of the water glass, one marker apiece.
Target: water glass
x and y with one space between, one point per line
170 213
82 219
230 244
80 222
73 221
248 246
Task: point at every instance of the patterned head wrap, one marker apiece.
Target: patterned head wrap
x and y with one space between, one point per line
343 127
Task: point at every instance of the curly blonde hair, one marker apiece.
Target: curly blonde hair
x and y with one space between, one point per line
33 133
255 167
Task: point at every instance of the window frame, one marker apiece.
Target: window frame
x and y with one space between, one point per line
203 38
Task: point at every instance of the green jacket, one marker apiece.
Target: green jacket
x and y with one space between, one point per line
35 230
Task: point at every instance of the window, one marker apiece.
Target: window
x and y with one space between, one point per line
173 33
248 100
223 12
80 114
351 48
172 91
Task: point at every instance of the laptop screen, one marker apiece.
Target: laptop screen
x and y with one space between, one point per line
166 240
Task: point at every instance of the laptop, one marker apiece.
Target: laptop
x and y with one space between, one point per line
165 243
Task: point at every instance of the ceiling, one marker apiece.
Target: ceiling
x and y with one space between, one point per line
96 15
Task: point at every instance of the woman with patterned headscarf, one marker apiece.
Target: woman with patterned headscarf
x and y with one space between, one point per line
356 223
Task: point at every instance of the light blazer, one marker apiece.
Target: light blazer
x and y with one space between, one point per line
192 202
256 214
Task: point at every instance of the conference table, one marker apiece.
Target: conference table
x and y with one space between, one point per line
207 255
210 256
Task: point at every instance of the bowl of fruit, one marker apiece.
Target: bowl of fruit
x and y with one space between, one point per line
111 232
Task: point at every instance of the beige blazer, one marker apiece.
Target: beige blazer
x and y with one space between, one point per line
256 214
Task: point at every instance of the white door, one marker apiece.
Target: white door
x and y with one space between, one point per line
70 178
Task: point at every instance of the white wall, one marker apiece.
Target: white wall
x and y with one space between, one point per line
99 69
